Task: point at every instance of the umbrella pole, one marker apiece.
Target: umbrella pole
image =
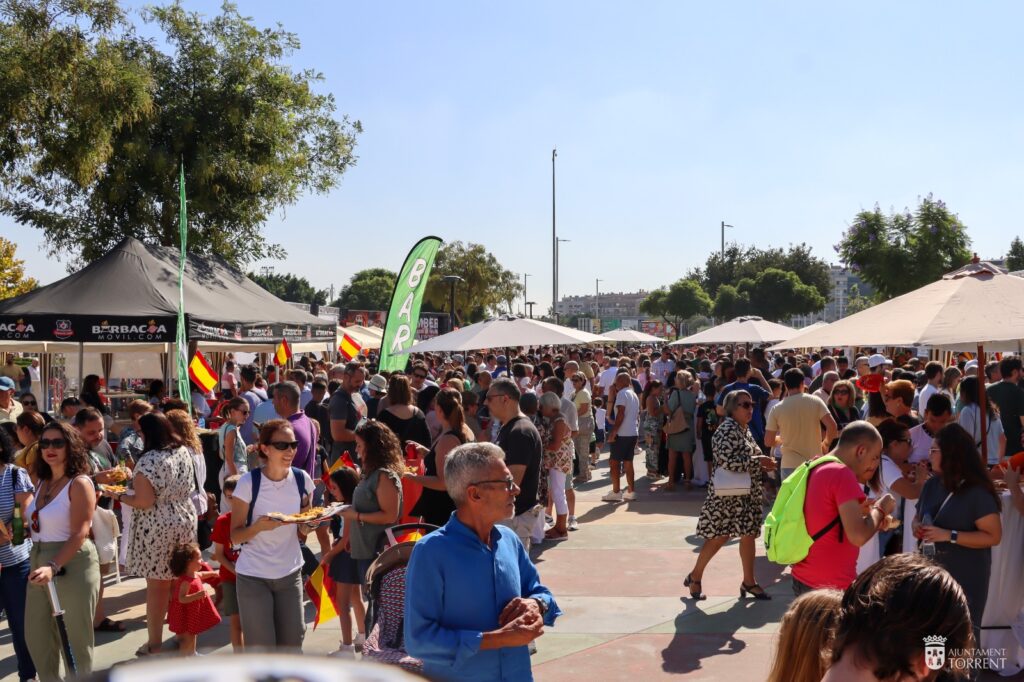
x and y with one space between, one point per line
982 404
81 361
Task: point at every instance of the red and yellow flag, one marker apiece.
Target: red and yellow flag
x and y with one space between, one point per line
283 352
349 347
320 589
201 373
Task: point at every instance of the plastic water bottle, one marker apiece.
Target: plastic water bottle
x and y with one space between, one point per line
927 546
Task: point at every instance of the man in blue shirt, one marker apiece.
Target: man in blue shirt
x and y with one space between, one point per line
759 391
473 599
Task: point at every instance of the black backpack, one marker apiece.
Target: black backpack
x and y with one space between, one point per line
257 476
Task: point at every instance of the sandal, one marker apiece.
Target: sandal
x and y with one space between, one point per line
146 650
107 625
553 534
746 589
695 596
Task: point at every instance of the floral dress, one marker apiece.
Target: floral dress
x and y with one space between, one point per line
734 449
561 458
172 518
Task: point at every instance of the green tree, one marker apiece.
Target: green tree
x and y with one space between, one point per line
13 281
369 289
739 263
730 303
856 302
1015 256
900 252
95 121
290 288
487 288
682 300
654 305
779 294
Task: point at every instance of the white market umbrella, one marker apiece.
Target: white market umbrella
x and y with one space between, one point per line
631 336
503 332
977 304
747 329
367 337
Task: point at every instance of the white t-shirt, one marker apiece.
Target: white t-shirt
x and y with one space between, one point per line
660 369
889 474
274 553
601 415
572 417
927 392
607 378
970 419
920 444
627 398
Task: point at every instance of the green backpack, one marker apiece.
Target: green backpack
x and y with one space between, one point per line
786 540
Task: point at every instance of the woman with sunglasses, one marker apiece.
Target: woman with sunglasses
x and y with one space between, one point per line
269 568
31 404
60 516
232 447
842 406
16 490
725 516
162 516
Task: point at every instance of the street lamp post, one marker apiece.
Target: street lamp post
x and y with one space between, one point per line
597 299
529 307
723 238
554 244
525 275
451 281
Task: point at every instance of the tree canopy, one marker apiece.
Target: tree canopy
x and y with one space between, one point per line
369 289
13 281
742 262
1015 256
900 252
682 300
487 287
95 120
290 288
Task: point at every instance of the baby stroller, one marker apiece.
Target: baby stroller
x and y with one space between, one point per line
385 599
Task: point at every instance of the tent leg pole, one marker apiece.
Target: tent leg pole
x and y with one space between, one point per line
81 362
982 404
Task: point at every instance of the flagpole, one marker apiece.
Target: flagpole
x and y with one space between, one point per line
182 337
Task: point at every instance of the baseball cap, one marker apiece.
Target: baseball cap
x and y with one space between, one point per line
502 360
458 358
877 360
6 384
971 364
379 383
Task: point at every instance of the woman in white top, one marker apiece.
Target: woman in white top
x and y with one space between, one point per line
269 568
970 418
59 518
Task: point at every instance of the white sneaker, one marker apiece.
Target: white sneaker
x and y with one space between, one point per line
358 641
612 497
548 519
629 497
573 523
344 651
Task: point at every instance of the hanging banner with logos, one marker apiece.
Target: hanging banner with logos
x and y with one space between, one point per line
87 329
404 312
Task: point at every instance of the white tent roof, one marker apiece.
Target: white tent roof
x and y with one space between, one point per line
631 335
747 329
367 337
506 332
979 303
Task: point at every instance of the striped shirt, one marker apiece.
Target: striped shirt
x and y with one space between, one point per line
13 480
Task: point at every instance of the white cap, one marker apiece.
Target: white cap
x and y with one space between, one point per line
971 364
877 360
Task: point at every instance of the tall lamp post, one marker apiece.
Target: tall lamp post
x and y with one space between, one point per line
723 238
525 275
597 299
554 244
451 281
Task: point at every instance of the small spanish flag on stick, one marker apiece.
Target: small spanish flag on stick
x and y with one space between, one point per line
283 352
320 589
200 372
349 347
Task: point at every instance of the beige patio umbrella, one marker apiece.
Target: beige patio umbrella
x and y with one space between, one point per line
979 305
367 337
505 332
631 336
747 329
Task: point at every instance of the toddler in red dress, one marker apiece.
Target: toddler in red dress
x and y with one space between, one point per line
191 611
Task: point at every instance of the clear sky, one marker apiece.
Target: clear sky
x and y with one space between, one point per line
783 119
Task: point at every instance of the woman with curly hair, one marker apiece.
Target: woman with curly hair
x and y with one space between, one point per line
60 517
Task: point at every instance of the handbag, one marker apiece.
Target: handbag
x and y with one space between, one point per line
731 483
677 422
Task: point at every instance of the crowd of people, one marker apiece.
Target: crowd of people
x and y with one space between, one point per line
883 455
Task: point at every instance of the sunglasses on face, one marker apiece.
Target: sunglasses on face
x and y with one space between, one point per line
29 403
509 483
45 443
284 445
745 406
841 391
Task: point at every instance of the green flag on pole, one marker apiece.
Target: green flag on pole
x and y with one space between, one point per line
404 313
182 339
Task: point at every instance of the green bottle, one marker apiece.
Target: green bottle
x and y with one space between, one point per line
17 527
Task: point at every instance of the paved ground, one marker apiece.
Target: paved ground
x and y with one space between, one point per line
619 581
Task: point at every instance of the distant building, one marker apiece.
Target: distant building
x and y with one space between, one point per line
842 282
614 305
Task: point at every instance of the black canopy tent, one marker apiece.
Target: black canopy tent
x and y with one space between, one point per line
128 300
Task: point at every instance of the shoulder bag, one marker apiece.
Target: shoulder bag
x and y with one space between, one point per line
677 421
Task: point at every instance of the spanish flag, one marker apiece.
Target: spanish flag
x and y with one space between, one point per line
283 352
349 347
320 589
201 373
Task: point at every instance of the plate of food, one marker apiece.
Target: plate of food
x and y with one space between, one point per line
311 515
119 474
113 489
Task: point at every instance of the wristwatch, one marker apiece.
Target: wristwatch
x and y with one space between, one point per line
542 605
952 536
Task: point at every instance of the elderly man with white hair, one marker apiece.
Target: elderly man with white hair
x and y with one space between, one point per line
473 598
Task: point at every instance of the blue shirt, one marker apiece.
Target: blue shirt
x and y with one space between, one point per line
13 480
455 590
263 413
759 395
248 428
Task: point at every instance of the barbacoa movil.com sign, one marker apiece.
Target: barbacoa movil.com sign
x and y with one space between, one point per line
87 328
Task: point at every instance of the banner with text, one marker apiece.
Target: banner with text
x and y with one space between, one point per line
404 312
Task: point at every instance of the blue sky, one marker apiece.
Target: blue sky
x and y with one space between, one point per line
783 119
